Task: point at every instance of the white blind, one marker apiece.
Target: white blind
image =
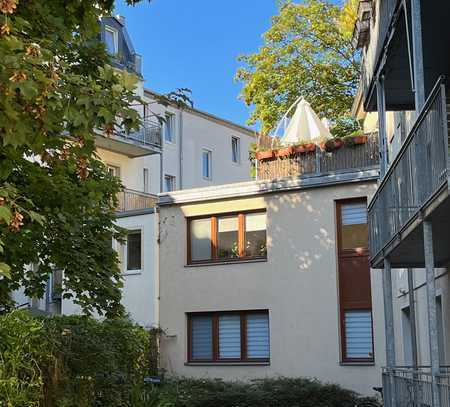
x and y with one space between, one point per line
201 338
255 222
230 337
201 239
358 334
354 214
258 336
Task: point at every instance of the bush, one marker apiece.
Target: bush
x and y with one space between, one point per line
281 392
70 361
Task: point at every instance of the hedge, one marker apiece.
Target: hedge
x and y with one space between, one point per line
279 392
66 361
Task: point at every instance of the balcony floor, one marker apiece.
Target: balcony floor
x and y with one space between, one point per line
408 249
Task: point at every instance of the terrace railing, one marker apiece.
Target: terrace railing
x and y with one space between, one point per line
415 176
319 162
407 387
130 200
149 134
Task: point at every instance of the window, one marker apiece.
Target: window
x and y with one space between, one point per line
133 250
146 180
111 40
354 232
113 170
241 336
358 334
355 301
206 164
238 236
169 183
169 127
235 150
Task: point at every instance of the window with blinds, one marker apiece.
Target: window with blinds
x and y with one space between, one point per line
354 231
229 336
358 334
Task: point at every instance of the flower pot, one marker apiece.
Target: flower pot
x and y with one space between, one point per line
283 152
298 149
360 139
310 147
264 155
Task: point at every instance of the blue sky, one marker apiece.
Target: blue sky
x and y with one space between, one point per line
195 44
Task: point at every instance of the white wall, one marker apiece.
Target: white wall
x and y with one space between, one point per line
139 290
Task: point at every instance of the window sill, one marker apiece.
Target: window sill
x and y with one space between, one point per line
227 363
222 263
357 363
132 272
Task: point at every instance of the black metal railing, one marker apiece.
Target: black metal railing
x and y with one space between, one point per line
417 173
149 134
131 200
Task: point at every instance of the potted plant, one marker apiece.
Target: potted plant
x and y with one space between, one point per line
331 144
264 154
283 152
304 147
355 138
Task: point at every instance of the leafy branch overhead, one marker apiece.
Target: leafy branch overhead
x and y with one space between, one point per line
306 52
57 201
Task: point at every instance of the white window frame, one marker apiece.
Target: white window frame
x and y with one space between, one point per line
125 270
115 34
170 120
116 169
238 152
173 181
208 176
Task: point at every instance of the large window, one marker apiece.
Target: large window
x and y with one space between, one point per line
111 40
237 236
206 164
236 336
169 127
134 251
235 150
354 282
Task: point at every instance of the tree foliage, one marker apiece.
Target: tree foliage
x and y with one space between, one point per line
305 53
57 94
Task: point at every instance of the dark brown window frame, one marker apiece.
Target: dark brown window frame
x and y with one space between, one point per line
343 308
215 337
214 238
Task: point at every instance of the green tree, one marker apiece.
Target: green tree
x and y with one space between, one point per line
305 53
57 91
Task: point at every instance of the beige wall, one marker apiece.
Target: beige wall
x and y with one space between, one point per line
298 284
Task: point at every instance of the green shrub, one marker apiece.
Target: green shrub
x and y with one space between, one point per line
280 392
69 361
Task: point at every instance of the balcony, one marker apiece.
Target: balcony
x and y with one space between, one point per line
145 141
313 161
135 201
416 186
404 387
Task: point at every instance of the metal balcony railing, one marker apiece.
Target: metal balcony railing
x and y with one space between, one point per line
416 175
318 162
149 134
130 200
405 387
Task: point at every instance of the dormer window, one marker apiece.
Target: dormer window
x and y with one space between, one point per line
111 40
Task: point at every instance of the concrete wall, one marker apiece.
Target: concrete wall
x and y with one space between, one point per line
298 284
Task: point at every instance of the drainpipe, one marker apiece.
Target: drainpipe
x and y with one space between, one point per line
161 169
157 288
180 124
412 317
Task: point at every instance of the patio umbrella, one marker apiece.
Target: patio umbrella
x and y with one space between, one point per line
305 125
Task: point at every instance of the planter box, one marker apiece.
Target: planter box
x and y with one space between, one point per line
304 148
283 152
264 155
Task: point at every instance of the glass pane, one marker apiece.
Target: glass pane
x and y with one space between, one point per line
230 337
201 239
201 338
258 342
235 149
355 232
227 236
206 164
255 234
358 334
168 133
134 251
110 41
